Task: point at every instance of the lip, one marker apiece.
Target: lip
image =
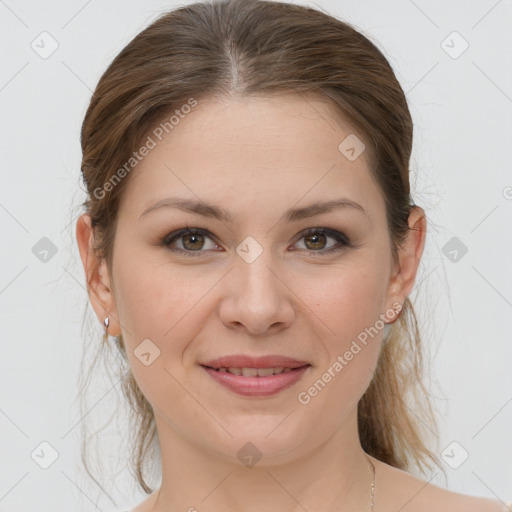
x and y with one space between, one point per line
256 386
245 361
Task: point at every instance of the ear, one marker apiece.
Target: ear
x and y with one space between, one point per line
409 256
99 286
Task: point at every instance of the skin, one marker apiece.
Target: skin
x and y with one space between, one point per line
256 158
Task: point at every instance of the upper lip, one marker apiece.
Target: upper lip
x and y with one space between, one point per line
245 361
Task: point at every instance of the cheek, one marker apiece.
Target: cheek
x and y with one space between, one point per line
160 305
157 300
346 302
351 307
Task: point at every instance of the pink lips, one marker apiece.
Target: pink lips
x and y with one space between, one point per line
256 386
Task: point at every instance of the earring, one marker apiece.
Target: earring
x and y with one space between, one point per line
106 323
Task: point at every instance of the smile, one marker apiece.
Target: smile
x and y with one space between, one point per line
255 372
254 382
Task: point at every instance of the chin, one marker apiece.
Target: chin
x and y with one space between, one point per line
264 439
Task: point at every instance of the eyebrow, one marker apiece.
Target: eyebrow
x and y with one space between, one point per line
209 210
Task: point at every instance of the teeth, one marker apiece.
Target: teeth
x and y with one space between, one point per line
255 372
264 372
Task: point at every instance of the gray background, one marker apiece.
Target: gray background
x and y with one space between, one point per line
460 172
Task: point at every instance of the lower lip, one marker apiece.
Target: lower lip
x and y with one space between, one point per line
257 386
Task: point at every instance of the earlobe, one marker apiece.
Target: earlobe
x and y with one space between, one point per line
97 276
409 257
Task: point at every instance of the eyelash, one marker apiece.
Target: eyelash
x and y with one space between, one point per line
341 238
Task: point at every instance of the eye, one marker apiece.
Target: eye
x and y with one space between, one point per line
193 241
315 240
189 241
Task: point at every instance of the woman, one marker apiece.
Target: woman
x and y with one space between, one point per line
250 241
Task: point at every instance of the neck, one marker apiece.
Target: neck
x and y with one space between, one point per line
334 477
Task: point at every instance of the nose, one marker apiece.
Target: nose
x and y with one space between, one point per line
257 298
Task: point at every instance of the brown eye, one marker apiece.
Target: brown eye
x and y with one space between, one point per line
316 240
193 241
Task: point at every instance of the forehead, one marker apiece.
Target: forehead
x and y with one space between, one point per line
258 150
276 122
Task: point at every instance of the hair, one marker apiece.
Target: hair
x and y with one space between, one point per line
240 48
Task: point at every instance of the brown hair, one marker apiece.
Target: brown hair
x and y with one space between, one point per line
247 47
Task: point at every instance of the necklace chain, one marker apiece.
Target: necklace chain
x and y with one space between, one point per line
372 491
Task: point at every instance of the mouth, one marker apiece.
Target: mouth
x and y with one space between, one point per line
262 362
250 376
254 372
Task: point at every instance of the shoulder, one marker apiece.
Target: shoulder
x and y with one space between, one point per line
148 503
455 502
408 493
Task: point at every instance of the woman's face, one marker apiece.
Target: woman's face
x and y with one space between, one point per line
254 283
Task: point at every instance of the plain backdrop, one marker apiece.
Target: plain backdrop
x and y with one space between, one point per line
452 59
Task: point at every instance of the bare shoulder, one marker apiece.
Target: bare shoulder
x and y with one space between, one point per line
455 502
396 489
148 503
